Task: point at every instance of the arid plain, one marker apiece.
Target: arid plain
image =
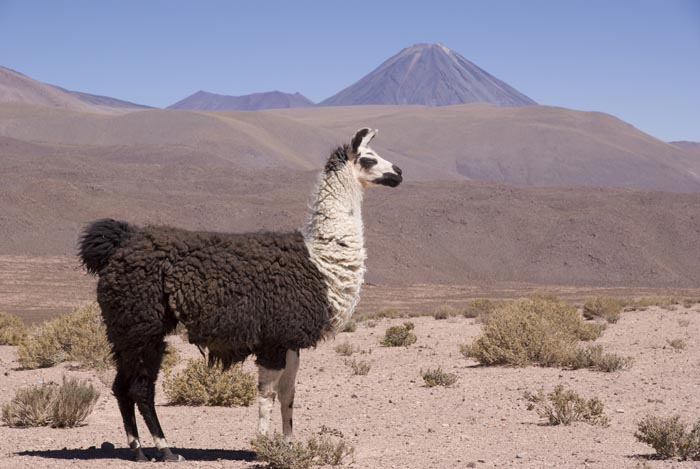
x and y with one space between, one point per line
497 203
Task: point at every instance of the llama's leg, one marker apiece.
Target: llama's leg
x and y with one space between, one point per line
143 392
286 392
267 391
126 407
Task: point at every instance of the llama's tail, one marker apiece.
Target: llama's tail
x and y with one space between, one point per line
99 241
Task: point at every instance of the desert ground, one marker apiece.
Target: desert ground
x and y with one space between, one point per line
392 418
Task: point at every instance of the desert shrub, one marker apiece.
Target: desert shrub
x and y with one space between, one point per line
603 307
479 308
387 312
12 330
346 349
199 384
171 358
644 302
594 358
323 450
669 437
61 406
444 312
360 368
74 401
438 377
77 336
565 406
683 322
399 336
532 331
677 344
350 326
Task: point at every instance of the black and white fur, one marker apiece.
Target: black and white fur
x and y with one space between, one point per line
268 294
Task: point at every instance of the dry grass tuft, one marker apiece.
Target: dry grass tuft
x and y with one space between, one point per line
533 331
603 307
480 309
399 336
12 330
171 358
445 312
61 406
677 344
383 313
346 349
350 326
438 377
593 357
359 368
669 437
322 450
77 336
198 384
565 406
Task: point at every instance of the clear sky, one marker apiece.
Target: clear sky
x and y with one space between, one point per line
638 60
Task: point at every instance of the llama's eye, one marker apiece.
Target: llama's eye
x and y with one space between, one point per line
367 163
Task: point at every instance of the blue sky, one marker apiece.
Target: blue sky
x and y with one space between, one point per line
637 60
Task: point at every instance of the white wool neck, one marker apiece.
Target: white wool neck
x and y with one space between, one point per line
335 240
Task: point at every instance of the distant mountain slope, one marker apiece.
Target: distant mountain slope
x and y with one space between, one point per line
527 146
690 147
99 100
447 232
204 101
431 75
16 87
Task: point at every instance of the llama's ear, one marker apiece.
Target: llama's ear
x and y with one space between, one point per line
362 138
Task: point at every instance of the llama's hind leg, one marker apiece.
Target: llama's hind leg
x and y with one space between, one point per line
142 391
126 407
286 391
271 363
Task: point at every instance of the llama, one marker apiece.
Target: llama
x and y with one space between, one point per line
267 294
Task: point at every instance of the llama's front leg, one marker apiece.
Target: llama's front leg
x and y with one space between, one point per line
286 391
267 391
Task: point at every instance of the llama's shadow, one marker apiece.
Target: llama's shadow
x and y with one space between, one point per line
190 454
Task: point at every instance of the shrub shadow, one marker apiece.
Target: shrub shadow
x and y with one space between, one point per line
190 454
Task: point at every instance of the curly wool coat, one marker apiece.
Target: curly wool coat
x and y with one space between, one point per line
237 294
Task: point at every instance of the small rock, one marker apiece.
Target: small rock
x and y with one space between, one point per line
471 464
481 460
520 455
620 411
107 446
445 425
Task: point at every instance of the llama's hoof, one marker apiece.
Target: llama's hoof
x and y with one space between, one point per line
139 456
169 456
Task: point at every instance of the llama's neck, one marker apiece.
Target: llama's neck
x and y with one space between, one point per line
334 238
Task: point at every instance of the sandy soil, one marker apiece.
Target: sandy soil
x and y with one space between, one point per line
393 420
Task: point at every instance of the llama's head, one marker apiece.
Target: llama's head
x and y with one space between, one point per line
370 168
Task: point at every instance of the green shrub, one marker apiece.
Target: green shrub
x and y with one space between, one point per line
61 406
199 384
323 450
532 331
438 377
479 308
77 336
565 406
399 336
12 330
669 437
603 307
